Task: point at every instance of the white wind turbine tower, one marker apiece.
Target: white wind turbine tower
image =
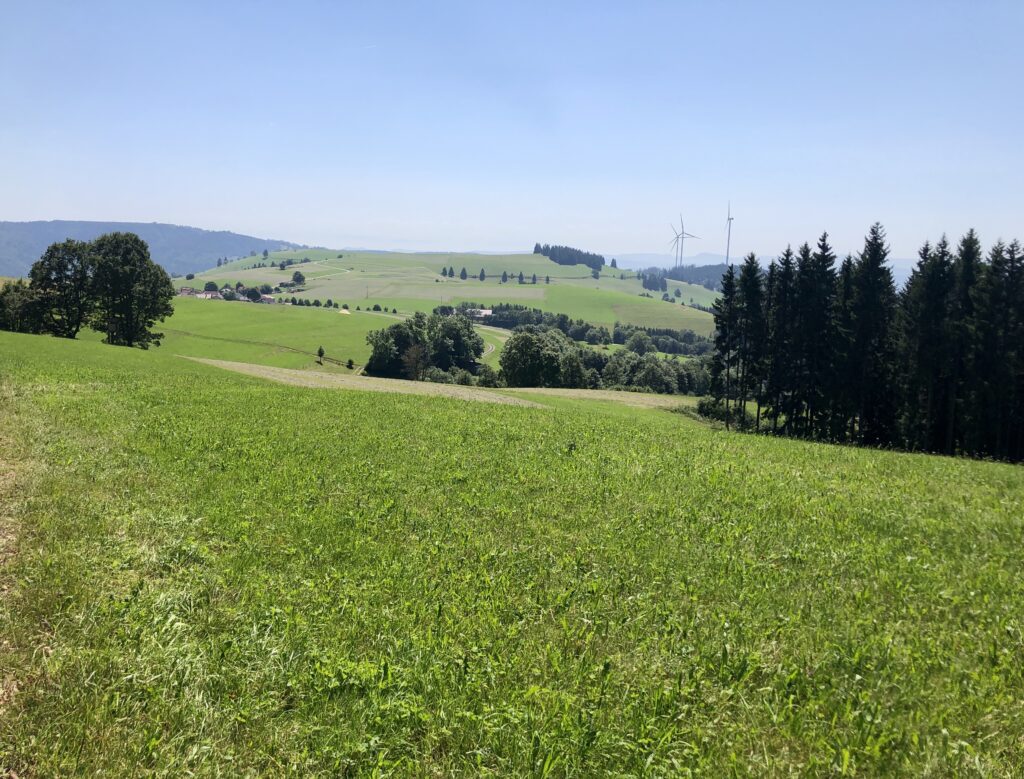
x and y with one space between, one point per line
728 231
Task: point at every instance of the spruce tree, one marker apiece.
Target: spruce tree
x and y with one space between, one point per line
996 355
722 364
750 321
781 374
842 402
923 330
874 305
966 269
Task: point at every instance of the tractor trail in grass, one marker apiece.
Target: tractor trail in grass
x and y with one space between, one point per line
254 343
365 383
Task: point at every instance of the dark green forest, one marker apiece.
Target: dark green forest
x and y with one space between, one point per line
566 255
834 352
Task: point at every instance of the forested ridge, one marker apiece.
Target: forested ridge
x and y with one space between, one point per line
833 352
567 255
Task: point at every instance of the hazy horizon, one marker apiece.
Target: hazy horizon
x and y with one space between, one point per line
464 128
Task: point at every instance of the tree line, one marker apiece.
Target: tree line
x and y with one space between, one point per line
449 272
110 284
511 315
813 350
445 348
567 255
539 356
665 339
708 276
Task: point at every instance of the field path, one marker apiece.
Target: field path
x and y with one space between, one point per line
635 399
518 396
365 383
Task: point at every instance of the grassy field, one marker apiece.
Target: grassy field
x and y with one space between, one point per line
204 572
412 282
281 336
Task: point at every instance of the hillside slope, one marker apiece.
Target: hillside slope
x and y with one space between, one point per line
219 575
177 248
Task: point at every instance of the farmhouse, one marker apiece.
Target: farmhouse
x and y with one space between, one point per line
209 296
187 291
478 313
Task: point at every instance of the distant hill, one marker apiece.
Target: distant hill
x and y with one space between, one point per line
178 249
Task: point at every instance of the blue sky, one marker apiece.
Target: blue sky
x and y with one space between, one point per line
491 126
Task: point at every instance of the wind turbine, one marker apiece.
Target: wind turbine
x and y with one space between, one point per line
728 231
680 240
683 235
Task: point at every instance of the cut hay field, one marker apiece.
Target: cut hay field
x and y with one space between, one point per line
209 573
412 282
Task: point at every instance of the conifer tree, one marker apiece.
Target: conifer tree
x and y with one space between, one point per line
965 276
874 304
722 364
750 325
842 401
781 384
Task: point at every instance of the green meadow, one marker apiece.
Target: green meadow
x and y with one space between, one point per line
208 573
413 282
278 335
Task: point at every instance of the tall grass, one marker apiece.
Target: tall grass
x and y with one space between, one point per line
218 575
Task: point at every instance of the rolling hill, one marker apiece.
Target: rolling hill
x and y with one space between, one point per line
413 282
177 248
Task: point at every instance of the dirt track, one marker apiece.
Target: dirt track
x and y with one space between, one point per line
365 383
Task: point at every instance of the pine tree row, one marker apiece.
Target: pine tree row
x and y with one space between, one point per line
810 350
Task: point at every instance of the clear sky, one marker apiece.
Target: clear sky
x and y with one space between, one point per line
490 126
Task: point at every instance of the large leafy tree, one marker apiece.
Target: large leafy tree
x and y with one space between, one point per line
63 279
132 292
532 359
407 349
21 309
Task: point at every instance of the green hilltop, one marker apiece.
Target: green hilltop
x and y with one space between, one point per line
413 282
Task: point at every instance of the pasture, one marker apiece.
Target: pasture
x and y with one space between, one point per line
412 282
206 572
